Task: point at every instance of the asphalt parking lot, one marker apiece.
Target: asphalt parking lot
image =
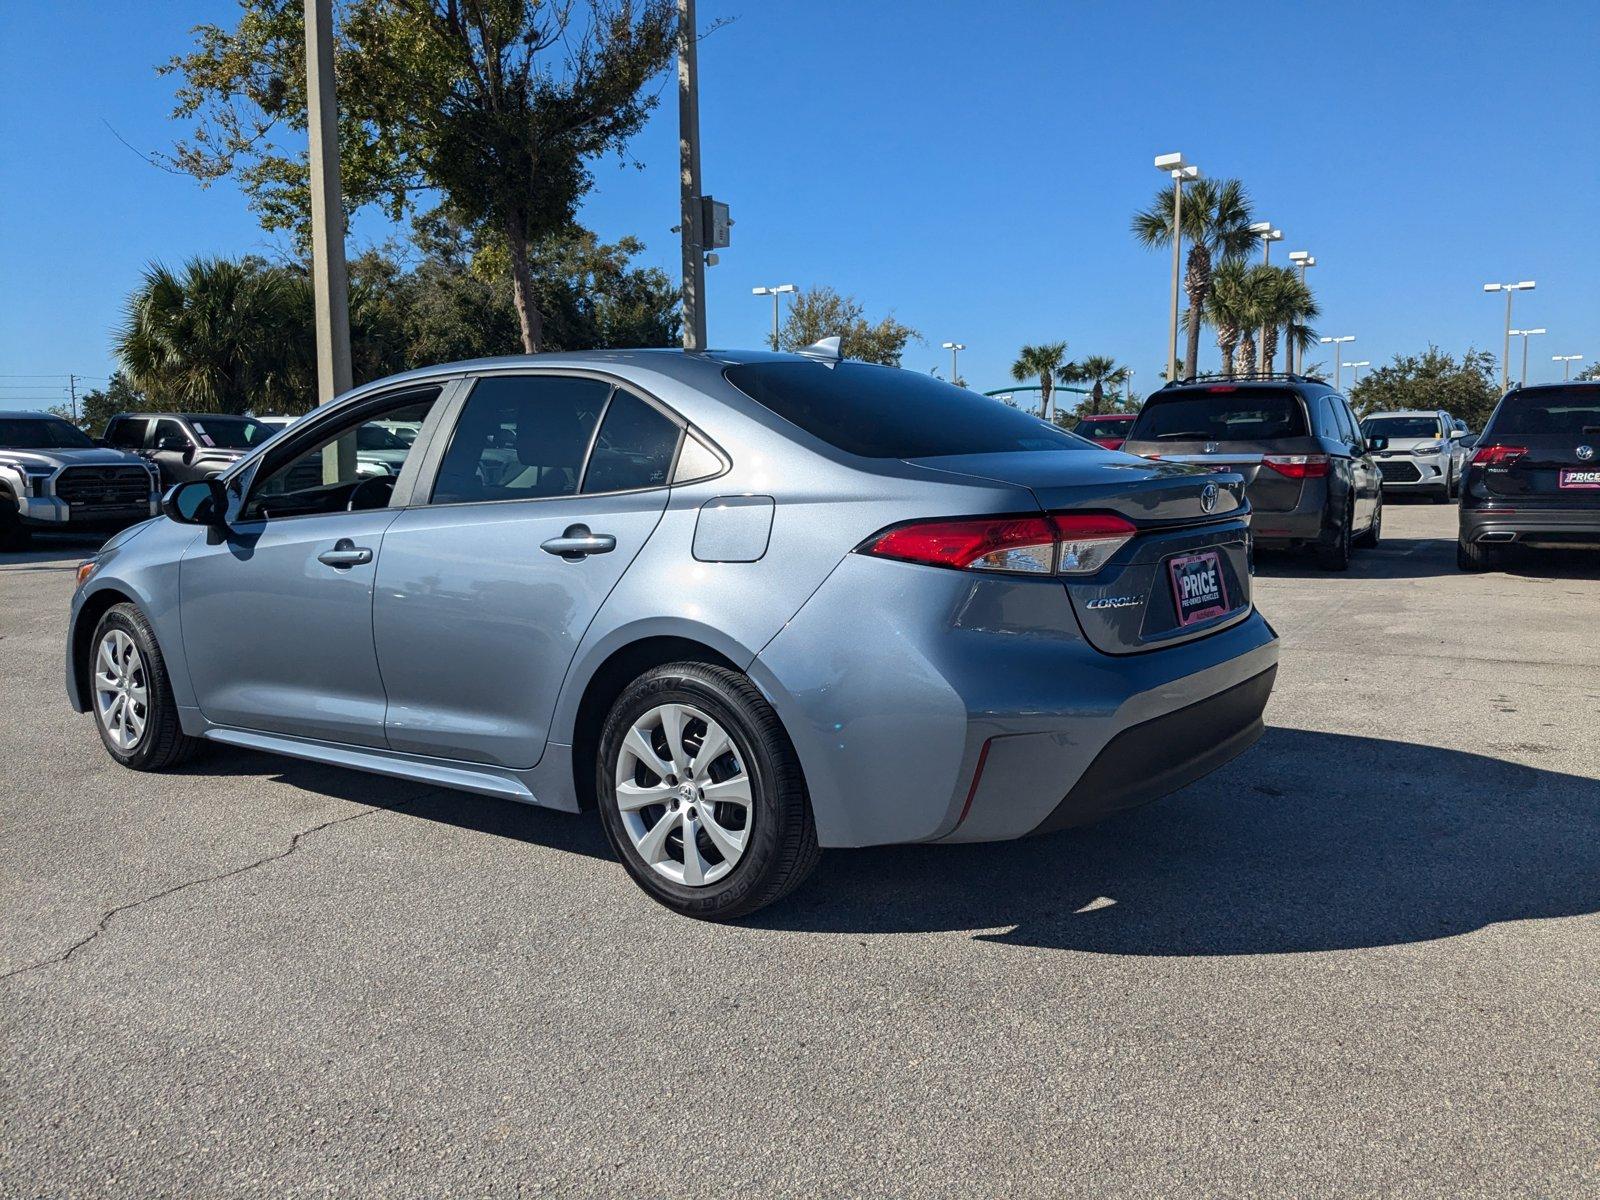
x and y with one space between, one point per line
1364 958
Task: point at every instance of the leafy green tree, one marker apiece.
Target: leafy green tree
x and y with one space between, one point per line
1047 362
1216 224
821 312
219 336
1592 371
1288 307
1232 303
492 108
1464 387
1099 371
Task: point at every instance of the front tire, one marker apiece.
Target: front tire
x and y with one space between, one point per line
701 793
130 694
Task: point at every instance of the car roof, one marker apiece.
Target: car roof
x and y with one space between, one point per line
23 414
1298 383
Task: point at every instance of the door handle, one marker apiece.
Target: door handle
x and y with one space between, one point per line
345 554
577 543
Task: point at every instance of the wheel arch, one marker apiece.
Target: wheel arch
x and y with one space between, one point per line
605 683
94 606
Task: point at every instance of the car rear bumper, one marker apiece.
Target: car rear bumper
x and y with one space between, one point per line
1306 522
1559 526
930 705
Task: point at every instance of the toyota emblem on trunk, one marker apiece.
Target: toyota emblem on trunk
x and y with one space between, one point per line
1208 497
1585 453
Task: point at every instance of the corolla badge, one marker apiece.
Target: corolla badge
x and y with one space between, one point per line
1208 497
1113 602
1585 453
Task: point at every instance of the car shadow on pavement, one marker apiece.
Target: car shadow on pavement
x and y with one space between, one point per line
1310 841
1424 558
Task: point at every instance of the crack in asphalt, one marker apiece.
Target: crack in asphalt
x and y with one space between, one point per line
294 844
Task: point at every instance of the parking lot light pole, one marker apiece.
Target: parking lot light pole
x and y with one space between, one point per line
1303 260
1566 361
955 348
1268 235
1181 173
1525 334
1526 285
1338 356
774 291
1356 367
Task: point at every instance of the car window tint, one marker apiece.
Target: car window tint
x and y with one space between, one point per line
334 473
1223 413
634 449
1402 427
520 437
1571 414
1347 422
168 428
128 433
884 412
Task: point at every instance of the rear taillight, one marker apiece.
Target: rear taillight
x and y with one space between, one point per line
1498 456
1063 543
1297 466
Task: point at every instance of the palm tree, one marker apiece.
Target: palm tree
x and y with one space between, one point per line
1216 223
1099 371
1289 305
1228 307
222 336
1047 361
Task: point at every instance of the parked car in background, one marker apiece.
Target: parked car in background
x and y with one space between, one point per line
1421 456
1308 470
745 604
380 446
1107 429
1461 455
185 446
53 476
1534 479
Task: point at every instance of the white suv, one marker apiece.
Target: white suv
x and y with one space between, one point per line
1420 456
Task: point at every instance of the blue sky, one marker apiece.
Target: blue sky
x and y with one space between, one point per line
971 167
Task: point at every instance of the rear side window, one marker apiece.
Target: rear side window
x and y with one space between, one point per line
128 433
520 437
1571 414
884 412
1221 414
634 449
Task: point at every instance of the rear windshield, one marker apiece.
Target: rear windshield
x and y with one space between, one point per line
1401 427
1105 427
1221 414
884 412
1569 413
42 433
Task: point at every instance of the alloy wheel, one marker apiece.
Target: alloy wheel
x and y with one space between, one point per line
121 689
684 795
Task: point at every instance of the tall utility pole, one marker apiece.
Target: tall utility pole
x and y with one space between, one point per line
1268 235
1527 285
694 263
1525 334
1303 260
330 286
1181 173
1566 361
1338 356
955 348
72 392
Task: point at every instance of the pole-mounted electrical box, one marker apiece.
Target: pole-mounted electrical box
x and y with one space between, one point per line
714 223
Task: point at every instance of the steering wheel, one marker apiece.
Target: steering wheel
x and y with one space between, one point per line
373 492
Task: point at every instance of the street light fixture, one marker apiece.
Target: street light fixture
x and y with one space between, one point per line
1526 285
1303 260
1566 361
1181 172
955 348
1356 367
1268 235
1338 356
1525 334
774 292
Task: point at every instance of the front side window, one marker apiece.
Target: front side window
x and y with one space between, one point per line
520 437
128 433
335 474
884 412
634 449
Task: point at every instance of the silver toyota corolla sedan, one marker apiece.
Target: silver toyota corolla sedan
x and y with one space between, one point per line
746 605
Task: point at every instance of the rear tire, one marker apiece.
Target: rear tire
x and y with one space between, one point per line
1475 556
1337 556
714 839
130 694
1442 496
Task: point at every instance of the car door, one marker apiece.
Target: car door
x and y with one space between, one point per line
172 450
277 614
545 489
1365 476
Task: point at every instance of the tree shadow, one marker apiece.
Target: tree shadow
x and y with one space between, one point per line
1311 841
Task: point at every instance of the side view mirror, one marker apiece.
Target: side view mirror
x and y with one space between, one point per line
1377 443
1457 434
173 443
198 502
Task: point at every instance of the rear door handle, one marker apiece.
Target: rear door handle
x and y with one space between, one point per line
577 543
345 554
